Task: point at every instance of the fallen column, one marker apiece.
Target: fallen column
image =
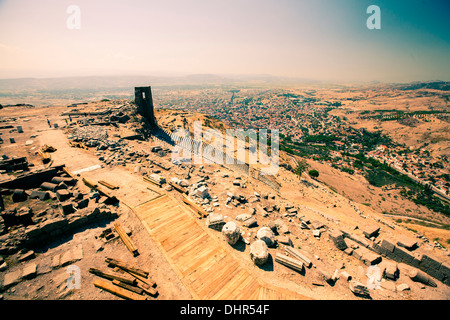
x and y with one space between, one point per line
289 262
300 256
422 277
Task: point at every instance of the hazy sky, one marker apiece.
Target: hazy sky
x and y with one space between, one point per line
316 39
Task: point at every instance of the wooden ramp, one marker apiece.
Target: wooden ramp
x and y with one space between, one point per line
207 269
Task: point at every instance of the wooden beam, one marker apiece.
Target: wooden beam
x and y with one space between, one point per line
134 289
113 276
108 185
147 281
148 289
95 186
105 193
123 293
197 208
70 174
178 188
148 179
127 267
126 239
89 183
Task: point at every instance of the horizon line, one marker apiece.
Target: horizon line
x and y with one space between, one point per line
227 76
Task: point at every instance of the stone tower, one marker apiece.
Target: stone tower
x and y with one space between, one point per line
143 100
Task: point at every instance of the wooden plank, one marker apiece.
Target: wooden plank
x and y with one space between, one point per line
89 183
148 289
146 205
243 289
112 276
148 281
107 286
178 187
179 249
233 286
127 267
179 232
69 173
156 183
108 185
195 250
105 192
212 272
154 215
199 259
196 207
173 242
155 222
161 211
215 283
230 286
253 292
261 293
169 230
128 287
159 208
169 238
190 258
126 239
204 265
165 222
207 269
193 240
218 285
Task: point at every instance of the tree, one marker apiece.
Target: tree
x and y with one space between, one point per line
301 167
313 173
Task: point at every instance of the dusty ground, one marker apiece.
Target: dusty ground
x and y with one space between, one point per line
52 285
314 200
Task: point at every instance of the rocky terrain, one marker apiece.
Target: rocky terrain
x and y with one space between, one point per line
292 231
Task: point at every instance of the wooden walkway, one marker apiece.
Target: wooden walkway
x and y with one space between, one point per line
207 269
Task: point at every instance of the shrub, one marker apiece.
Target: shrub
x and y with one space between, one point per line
313 173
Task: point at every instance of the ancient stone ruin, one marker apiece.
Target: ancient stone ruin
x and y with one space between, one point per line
144 101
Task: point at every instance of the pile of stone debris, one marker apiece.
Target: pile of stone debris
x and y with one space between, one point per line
67 209
122 156
91 136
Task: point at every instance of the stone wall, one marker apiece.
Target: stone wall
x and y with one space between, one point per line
415 258
397 250
52 229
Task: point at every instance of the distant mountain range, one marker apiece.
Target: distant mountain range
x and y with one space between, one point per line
103 82
129 81
436 85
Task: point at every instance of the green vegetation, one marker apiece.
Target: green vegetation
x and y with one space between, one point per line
393 115
313 173
321 139
301 168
